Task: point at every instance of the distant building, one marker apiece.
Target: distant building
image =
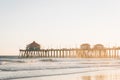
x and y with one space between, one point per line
85 46
98 46
33 46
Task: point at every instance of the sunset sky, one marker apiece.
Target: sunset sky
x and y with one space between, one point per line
58 23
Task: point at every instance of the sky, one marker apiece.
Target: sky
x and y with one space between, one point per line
58 23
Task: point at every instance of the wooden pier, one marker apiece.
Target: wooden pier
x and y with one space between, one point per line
98 51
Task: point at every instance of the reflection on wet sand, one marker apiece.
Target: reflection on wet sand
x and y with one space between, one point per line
97 77
101 77
86 77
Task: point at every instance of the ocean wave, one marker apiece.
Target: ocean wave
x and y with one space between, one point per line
15 68
51 65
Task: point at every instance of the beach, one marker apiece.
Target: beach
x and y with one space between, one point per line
59 69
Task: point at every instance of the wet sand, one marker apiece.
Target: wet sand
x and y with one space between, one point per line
96 75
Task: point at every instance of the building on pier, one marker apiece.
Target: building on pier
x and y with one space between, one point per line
98 46
85 46
99 50
85 51
33 46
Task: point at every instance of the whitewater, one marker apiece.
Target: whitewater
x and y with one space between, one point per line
59 68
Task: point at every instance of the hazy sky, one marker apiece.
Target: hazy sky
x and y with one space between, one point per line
55 23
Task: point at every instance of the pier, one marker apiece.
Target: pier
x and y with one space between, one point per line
85 51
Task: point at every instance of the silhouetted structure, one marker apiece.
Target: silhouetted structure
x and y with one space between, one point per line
33 46
85 51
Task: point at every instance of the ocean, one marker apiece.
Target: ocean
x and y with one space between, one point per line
15 68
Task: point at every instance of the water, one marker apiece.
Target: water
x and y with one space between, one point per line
12 67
